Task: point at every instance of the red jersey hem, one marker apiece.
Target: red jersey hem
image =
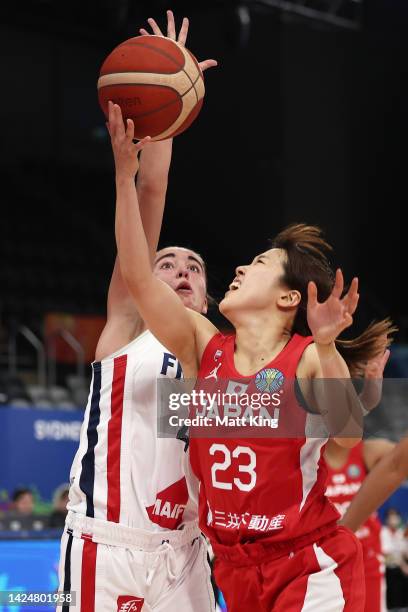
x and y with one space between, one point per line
254 553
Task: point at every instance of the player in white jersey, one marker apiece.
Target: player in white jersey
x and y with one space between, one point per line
131 540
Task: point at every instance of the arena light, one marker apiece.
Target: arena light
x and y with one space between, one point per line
340 13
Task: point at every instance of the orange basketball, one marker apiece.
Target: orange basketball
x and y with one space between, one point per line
156 82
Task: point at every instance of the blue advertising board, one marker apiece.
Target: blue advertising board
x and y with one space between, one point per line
37 448
29 566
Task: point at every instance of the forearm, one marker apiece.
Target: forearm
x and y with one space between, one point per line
154 164
331 362
151 189
131 240
381 482
337 397
370 396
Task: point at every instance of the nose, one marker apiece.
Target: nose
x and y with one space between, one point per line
182 272
240 270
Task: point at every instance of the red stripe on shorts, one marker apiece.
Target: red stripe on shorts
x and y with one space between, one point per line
88 576
114 438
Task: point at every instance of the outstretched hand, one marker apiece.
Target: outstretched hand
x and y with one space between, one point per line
125 150
328 319
370 395
171 33
374 369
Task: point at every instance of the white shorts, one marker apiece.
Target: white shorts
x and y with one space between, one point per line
133 570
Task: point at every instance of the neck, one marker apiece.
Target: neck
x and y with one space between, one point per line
336 455
258 340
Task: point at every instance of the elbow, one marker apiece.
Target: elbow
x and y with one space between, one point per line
398 466
136 284
152 187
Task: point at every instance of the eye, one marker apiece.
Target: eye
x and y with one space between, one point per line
167 265
194 268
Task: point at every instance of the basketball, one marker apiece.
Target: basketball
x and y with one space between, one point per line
156 82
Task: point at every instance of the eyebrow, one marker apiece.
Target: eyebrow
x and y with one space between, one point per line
190 257
258 257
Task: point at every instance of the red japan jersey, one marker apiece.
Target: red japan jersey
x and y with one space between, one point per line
342 485
269 483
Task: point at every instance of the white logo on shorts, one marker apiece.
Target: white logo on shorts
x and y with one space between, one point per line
129 605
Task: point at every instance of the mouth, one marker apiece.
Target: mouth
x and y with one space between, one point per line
235 285
184 288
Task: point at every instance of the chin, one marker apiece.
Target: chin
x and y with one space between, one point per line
232 306
221 305
225 305
188 301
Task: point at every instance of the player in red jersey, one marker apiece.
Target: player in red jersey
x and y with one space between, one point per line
388 473
262 501
347 472
385 478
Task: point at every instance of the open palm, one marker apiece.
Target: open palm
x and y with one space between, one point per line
370 395
328 319
171 33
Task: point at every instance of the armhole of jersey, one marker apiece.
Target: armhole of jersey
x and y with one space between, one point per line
304 342
301 399
215 341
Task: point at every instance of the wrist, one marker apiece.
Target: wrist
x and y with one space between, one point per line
124 178
326 352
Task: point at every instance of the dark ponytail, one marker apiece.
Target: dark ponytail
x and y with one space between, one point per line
307 260
372 342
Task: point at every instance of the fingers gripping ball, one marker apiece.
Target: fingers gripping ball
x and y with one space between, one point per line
156 82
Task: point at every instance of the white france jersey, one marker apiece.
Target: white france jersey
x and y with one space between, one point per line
122 472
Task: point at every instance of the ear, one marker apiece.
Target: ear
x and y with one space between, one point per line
289 299
204 308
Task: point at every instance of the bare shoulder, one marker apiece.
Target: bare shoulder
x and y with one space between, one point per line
120 330
205 330
380 443
309 362
375 449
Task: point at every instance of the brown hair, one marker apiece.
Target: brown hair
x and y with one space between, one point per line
307 260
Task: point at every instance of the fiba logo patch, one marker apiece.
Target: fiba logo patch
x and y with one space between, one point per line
269 380
129 603
353 471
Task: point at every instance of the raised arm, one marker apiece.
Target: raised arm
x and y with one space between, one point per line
385 478
159 306
331 389
123 320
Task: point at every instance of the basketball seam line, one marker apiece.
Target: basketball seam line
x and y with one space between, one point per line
180 97
150 84
196 66
195 91
151 112
192 83
138 72
159 51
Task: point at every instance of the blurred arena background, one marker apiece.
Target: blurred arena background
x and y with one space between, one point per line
304 120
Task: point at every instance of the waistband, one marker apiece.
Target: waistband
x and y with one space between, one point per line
256 552
114 534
